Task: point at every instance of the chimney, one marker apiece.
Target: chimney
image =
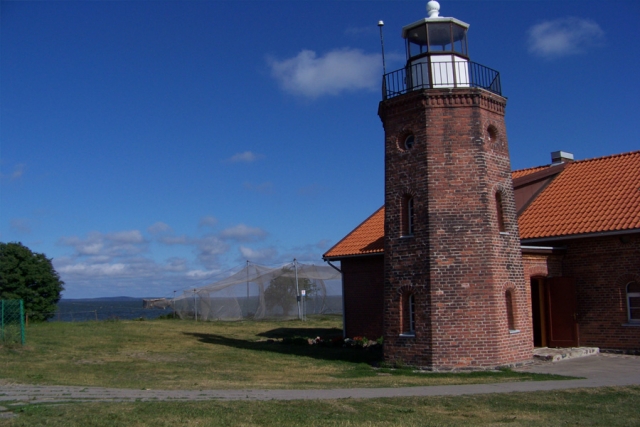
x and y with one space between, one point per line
561 157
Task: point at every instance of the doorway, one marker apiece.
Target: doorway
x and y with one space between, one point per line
554 312
538 312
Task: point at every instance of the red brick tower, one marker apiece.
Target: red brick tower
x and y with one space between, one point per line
455 295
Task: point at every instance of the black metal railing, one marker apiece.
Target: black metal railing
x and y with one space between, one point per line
436 75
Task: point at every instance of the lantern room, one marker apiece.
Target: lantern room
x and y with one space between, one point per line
437 51
437 58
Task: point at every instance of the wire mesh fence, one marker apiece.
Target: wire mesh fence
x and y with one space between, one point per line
252 292
12 322
258 292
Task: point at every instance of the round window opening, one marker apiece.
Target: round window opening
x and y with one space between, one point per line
409 142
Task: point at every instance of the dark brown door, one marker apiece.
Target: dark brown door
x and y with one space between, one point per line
538 312
561 312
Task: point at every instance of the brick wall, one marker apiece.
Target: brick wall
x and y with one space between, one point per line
602 267
457 263
542 265
363 296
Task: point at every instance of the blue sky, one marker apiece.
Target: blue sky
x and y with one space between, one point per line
150 146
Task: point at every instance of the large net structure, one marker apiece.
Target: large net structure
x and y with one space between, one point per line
257 292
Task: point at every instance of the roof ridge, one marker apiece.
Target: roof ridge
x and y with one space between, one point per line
531 168
607 157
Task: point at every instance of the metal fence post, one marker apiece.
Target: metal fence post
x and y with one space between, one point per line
22 334
2 322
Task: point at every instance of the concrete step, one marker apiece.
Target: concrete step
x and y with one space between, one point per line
556 354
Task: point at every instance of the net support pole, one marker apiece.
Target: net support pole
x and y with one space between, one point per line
246 302
195 305
295 266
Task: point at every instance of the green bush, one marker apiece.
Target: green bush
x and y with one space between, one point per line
30 277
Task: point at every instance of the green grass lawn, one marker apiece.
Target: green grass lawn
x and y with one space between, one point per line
608 407
175 354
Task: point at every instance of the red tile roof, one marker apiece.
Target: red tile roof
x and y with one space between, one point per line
367 238
524 172
588 196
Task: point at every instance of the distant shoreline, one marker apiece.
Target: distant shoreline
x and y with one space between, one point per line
106 299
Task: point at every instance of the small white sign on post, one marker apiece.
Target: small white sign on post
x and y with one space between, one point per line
303 292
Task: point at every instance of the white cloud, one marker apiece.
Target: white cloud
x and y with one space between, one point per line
563 37
112 244
209 248
164 233
126 237
244 157
263 188
175 265
83 269
159 227
310 253
18 171
120 263
337 71
21 225
175 240
201 274
99 259
92 245
207 221
323 244
264 256
112 259
242 233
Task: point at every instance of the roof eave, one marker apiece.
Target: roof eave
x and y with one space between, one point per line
341 257
579 236
544 250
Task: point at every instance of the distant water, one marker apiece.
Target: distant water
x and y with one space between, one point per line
79 310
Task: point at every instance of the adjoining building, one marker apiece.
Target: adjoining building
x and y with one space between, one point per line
468 264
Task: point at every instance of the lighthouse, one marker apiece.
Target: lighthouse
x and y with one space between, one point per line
455 295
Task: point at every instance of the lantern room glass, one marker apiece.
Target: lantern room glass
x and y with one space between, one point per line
437 37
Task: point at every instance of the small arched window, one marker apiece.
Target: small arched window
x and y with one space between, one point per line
408 314
408 215
492 133
633 301
500 212
511 318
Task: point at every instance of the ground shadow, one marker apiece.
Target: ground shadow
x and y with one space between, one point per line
296 347
302 332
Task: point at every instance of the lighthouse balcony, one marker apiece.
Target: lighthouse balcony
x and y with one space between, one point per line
437 73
